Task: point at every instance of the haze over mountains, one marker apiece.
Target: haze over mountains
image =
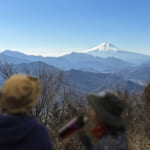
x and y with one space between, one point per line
87 69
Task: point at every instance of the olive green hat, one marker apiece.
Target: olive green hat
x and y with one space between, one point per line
19 94
108 107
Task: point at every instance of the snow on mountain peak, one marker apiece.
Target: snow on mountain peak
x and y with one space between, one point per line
106 46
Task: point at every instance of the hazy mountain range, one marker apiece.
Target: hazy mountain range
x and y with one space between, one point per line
81 80
105 66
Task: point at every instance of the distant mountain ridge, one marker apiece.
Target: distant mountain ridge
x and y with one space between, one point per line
78 61
105 58
109 50
103 50
96 82
83 81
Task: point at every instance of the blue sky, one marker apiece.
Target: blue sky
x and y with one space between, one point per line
51 27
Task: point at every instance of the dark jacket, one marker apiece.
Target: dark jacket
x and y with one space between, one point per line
107 142
21 132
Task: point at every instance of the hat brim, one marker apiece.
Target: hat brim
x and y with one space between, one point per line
104 115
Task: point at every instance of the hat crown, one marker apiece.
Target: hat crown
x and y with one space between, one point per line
112 104
108 107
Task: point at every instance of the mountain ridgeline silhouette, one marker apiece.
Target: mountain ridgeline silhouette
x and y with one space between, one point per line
103 67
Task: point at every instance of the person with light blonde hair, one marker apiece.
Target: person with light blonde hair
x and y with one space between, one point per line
18 130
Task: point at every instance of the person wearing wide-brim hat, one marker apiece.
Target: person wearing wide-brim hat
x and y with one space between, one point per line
109 127
18 130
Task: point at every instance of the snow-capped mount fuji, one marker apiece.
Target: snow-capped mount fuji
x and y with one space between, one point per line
107 49
106 46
